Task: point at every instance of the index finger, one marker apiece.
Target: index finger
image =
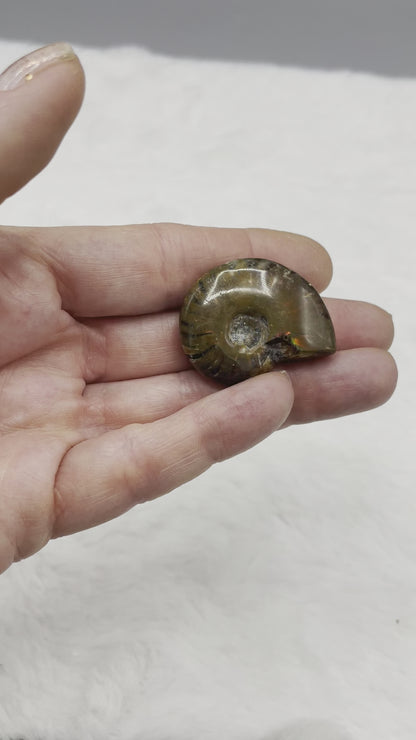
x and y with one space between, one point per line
130 270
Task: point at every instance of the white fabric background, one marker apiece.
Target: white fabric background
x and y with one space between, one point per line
274 597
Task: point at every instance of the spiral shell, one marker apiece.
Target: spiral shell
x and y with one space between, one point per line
245 317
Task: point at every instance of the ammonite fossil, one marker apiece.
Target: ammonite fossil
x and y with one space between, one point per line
247 316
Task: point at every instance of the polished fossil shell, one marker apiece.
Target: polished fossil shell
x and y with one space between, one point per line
245 317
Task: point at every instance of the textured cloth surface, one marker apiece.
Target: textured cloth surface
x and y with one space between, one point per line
274 597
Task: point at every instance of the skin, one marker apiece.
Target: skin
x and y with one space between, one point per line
99 409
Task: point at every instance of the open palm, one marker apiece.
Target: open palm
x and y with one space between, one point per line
99 408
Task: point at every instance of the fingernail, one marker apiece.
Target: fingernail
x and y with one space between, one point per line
25 68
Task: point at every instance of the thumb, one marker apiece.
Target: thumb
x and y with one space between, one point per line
40 95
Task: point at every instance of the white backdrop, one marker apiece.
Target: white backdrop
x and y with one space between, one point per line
274 597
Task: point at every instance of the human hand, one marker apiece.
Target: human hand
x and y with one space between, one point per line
99 409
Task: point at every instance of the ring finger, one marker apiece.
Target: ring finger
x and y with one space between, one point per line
348 382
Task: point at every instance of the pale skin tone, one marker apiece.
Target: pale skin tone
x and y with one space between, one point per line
99 408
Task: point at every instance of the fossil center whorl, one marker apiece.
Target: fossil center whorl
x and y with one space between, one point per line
246 316
247 332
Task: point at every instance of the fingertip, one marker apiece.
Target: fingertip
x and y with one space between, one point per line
377 380
360 324
392 376
321 264
37 112
273 395
375 327
286 395
388 322
348 382
240 416
301 253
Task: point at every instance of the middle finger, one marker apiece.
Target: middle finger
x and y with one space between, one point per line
139 347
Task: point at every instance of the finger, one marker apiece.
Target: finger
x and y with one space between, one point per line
105 476
114 405
150 345
347 383
130 270
40 96
360 324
